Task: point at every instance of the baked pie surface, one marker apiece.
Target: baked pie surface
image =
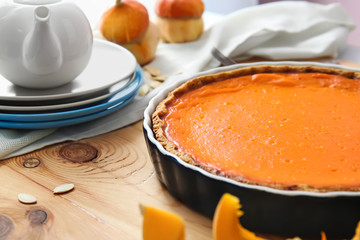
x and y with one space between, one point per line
286 127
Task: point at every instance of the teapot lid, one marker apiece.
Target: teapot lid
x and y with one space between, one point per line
36 2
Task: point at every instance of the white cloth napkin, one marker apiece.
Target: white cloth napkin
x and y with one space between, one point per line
279 31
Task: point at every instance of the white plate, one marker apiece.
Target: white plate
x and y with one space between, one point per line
122 96
109 64
30 106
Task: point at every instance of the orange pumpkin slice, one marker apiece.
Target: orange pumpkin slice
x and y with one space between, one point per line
357 232
162 225
226 223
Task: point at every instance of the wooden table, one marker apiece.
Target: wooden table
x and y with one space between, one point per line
112 174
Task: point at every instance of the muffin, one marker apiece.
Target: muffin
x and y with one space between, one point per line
180 21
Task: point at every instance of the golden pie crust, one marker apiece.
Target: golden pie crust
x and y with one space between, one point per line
162 110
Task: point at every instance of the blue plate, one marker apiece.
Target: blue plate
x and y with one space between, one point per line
115 100
65 122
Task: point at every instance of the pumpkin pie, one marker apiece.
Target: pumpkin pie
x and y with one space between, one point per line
284 127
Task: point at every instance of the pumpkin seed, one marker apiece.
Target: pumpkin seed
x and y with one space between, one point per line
161 78
155 84
63 188
26 198
147 75
144 89
154 71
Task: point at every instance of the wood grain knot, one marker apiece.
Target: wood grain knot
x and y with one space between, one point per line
37 217
31 163
6 226
78 152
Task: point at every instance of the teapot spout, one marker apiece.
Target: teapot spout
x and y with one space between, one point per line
42 52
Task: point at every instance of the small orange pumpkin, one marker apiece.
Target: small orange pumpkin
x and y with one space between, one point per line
127 23
179 8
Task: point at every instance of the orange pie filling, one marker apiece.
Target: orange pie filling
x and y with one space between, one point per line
286 129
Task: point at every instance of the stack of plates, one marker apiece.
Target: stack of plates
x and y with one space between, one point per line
110 81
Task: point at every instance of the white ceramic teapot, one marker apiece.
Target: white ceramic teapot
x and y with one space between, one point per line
43 43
